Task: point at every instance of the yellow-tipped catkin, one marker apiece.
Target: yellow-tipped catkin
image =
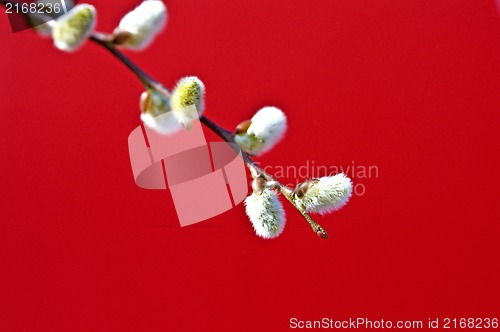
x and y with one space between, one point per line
73 29
189 91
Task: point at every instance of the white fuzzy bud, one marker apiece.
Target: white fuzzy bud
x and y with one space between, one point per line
156 114
326 195
266 213
267 128
189 91
44 24
138 28
71 30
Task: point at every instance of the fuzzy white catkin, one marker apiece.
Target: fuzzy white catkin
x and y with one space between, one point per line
189 91
268 127
71 30
329 194
143 24
42 26
266 213
155 113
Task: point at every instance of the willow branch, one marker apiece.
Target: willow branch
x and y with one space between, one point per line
223 133
106 41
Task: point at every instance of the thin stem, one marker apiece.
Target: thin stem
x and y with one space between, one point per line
147 80
108 45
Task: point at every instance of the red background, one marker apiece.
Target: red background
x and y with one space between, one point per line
408 86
